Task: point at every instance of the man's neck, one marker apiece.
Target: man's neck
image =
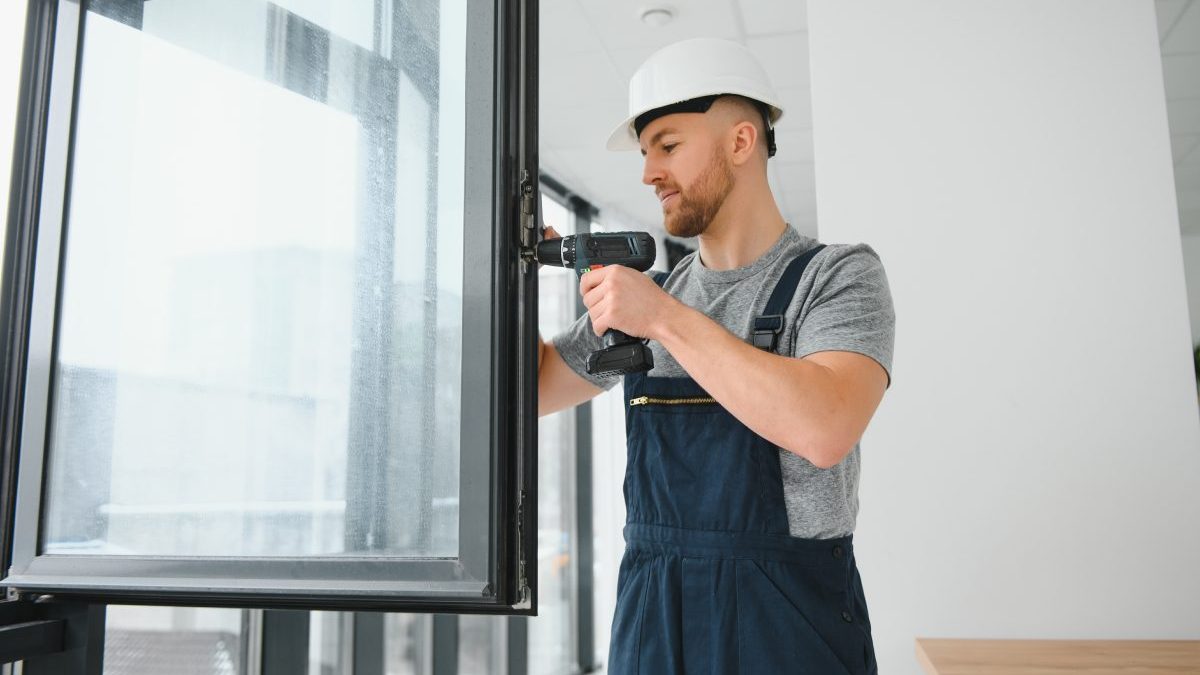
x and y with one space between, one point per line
747 225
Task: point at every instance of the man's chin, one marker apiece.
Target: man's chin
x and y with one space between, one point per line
674 229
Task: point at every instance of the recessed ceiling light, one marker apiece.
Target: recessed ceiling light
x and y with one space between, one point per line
657 17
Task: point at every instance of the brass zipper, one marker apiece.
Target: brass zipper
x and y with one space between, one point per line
650 400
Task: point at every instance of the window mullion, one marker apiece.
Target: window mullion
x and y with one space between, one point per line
285 642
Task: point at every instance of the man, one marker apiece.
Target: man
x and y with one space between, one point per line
742 476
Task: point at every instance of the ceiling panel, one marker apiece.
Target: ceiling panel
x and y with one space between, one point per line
1183 146
565 29
1189 222
613 178
797 107
580 100
799 190
582 77
794 145
1184 36
798 181
619 23
627 60
1183 116
774 16
559 169
1189 200
1168 11
775 184
1187 175
785 57
806 228
563 127
1181 75
1179 25
802 213
796 177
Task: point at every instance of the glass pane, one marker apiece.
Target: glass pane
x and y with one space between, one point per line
158 640
330 643
482 644
407 641
259 343
352 19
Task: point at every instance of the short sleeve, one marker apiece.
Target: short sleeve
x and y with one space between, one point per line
849 307
575 344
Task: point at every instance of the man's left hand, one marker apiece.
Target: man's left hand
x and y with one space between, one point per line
623 298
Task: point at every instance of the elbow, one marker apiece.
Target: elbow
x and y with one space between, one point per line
827 459
823 453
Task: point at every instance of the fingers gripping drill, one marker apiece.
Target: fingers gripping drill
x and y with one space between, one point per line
585 252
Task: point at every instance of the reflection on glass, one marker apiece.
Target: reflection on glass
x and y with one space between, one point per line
330 643
157 640
350 19
482 645
259 340
407 644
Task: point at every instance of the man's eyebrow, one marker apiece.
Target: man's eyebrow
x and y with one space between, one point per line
655 138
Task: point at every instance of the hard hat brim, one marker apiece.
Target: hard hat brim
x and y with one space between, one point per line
623 137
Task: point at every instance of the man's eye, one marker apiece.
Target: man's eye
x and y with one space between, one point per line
668 147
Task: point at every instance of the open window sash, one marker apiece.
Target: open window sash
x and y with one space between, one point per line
269 325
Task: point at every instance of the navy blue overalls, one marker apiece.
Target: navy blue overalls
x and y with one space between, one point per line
711 580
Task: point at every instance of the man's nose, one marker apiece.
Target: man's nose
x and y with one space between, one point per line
652 172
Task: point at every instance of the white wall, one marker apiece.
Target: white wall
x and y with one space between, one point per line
1034 471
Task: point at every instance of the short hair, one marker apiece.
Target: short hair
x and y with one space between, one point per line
749 110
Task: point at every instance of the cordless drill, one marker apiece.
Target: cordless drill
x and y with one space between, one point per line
585 252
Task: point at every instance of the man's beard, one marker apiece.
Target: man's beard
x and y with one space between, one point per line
697 207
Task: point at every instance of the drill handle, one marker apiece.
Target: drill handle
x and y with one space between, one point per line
614 337
622 354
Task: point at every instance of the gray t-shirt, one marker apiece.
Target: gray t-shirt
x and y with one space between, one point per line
842 303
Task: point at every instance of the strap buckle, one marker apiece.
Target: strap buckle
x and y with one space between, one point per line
766 331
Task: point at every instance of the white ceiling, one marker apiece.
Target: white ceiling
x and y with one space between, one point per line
590 48
1179 39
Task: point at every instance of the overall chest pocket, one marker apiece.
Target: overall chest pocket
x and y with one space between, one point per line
693 465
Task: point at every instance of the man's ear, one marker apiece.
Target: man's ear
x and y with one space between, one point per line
745 142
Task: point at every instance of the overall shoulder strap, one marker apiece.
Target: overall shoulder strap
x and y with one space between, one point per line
769 324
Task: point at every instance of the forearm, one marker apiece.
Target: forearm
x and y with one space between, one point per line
792 403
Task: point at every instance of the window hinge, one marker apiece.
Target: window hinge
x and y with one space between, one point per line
528 219
524 591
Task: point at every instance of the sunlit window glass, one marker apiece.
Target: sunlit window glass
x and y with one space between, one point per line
258 350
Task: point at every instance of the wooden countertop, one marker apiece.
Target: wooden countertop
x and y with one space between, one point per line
1058 657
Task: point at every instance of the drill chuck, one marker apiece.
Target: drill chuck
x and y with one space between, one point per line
557 252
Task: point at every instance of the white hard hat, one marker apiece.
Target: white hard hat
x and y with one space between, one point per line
692 69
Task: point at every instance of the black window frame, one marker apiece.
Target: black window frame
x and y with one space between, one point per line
496 570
